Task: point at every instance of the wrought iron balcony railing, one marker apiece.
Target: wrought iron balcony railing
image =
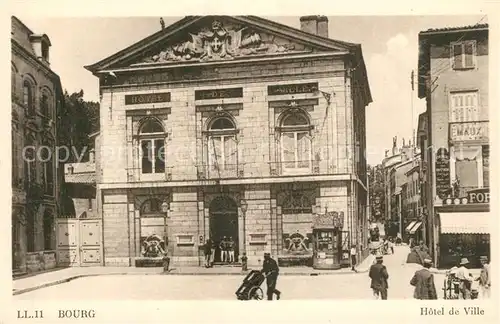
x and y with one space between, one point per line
137 175
293 168
226 171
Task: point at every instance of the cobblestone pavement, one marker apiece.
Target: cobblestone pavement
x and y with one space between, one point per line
156 287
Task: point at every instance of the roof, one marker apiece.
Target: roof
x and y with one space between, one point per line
147 44
459 29
465 223
424 49
83 178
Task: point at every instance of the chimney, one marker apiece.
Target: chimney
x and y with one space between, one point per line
316 25
92 156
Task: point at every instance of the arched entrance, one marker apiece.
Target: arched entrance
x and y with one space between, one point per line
224 223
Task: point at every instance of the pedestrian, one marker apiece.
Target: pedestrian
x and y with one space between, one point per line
466 279
353 257
423 281
379 276
484 278
207 250
214 248
271 271
230 250
223 249
391 245
423 248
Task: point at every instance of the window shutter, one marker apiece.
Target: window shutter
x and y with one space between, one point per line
230 152
457 56
469 54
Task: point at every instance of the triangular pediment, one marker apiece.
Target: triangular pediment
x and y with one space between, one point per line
219 38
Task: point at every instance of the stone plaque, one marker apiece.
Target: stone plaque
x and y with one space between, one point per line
284 89
147 98
218 94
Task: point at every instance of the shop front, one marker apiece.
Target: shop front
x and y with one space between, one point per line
327 238
464 229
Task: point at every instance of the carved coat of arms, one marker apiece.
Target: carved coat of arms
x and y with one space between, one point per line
216 43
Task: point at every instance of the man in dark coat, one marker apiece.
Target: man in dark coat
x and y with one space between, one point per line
207 250
423 281
379 275
271 270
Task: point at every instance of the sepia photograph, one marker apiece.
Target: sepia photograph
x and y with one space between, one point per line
243 157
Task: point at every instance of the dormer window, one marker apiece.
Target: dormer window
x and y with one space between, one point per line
45 51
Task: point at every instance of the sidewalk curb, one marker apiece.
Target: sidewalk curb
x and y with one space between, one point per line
65 280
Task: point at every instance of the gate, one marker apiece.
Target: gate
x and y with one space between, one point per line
79 241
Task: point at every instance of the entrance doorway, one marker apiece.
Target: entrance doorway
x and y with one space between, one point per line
224 225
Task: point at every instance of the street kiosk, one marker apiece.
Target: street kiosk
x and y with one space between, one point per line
327 238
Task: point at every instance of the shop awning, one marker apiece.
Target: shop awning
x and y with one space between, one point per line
465 223
408 228
415 227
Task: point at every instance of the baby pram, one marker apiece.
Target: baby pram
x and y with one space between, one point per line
250 288
451 286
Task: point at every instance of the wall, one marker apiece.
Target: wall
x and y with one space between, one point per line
25 66
333 139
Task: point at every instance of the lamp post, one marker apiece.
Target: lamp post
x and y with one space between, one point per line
244 208
165 207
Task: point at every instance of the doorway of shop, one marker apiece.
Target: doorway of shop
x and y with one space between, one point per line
224 229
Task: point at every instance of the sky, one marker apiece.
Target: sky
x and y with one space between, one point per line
389 44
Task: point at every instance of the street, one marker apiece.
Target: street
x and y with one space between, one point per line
221 287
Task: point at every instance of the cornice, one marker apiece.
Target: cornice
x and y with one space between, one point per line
30 58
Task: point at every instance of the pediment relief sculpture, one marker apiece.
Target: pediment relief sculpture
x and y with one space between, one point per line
221 43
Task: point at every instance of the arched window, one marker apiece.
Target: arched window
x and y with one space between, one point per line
46 104
295 142
47 160
152 142
28 97
151 206
13 80
296 203
29 157
222 144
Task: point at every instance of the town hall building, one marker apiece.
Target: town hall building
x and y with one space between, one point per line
231 127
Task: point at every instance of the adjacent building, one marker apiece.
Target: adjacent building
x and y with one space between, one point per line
411 211
232 126
36 99
394 169
453 74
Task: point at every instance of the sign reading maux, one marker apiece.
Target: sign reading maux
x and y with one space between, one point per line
471 131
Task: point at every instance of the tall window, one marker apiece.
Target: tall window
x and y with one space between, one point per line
45 105
13 81
29 157
464 107
486 165
48 226
468 167
152 142
28 97
15 149
48 168
464 55
295 142
222 145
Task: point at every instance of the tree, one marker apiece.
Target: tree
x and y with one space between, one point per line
78 120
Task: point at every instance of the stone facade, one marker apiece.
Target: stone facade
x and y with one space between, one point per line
36 97
264 195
